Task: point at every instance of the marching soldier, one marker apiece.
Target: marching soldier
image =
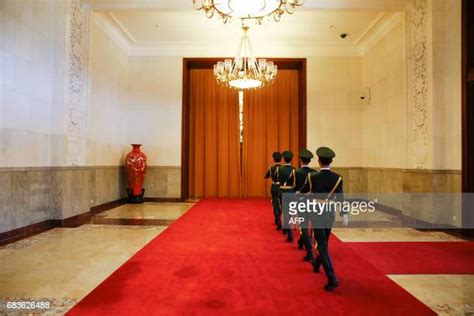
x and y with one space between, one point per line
301 178
287 180
330 184
272 173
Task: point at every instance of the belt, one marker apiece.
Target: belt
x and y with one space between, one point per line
286 187
277 183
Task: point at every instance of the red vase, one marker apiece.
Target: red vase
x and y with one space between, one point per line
135 162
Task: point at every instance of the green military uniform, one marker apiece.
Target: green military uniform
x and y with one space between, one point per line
325 182
301 178
287 180
272 173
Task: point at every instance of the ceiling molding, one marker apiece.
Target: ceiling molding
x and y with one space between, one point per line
198 49
378 31
110 28
122 27
370 27
375 31
387 5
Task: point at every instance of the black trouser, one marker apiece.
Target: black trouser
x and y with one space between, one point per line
276 204
322 238
289 231
306 240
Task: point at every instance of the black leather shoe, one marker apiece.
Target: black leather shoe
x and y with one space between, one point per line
300 244
289 240
308 258
283 231
331 285
278 228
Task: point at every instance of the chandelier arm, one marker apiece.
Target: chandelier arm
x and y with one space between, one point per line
228 9
241 45
252 56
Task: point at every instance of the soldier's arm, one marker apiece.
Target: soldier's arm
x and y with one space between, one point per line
340 196
307 185
269 172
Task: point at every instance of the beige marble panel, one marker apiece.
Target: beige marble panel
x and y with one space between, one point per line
70 192
32 195
7 210
156 182
163 182
445 294
108 184
174 182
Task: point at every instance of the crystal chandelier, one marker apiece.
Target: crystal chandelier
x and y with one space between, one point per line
247 9
245 71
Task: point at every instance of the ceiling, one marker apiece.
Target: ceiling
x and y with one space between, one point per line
323 26
309 4
176 23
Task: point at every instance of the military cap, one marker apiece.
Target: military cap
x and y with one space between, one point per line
306 154
277 155
325 152
287 154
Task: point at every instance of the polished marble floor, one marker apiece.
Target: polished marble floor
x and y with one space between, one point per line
391 234
64 264
149 211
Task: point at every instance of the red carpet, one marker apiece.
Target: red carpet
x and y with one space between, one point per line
224 257
418 257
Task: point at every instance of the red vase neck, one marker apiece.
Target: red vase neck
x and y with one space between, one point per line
136 148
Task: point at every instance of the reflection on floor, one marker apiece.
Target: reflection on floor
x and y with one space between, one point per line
154 214
64 264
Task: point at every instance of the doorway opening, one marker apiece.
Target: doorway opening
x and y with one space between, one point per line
259 130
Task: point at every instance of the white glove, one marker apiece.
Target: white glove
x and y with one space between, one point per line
345 219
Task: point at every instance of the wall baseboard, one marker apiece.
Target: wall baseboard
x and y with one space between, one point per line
107 206
26 231
164 200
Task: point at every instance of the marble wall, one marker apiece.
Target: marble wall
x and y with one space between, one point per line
163 182
446 55
32 40
334 109
32 195
107 107
35 194
384 116
402 190
154 108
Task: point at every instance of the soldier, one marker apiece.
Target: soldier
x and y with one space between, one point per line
301 178
287 180
272 173
330 184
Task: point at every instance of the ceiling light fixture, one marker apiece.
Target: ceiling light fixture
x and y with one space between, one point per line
256 10
245 71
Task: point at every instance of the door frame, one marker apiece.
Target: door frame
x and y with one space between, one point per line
467 74
208 63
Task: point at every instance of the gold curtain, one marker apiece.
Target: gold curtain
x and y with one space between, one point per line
214 162
270 124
